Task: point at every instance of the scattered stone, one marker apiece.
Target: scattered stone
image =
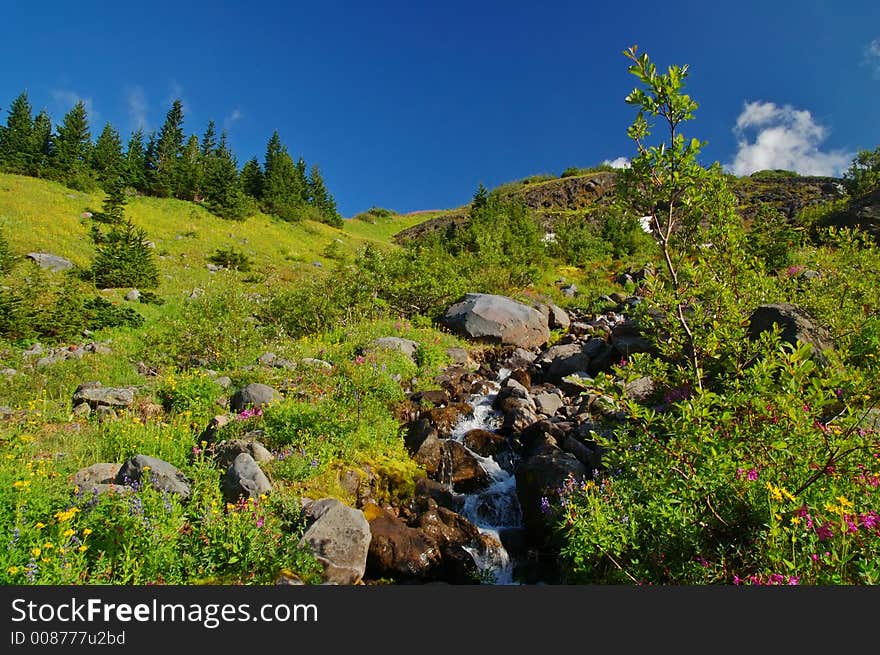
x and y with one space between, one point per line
316 363
224 381
50 262
145 370
569 290
483 442
226 452
244 477
548 403
253 395
398 551
93 476
407 346
459 356
105 413
83 410
8 372
133 296
98 396
640 389
558 318
160 474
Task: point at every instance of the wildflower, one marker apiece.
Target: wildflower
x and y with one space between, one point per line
31 570
775 493
66 515
36 551
545 505
12 570
21 484
83 548
844 502
40 525
752 475
69 533
48 546
87 532
824 532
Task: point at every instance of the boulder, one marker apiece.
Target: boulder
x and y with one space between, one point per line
160 474
244 477
541 476
339 537
407 346
483 442
497 320
50 262
253 395
94 476
225 452
558 318
398 551
548 403
133 295
559 361
796 325
99 396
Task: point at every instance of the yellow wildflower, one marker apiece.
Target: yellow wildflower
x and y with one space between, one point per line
40 525
69 533
795 520
21 484
36 552
83 548
48 545
844 502
775 493
66 515
87 532
12 570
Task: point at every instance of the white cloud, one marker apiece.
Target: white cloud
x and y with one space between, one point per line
620 162
235 115
872 57
137 108
67 99
783 138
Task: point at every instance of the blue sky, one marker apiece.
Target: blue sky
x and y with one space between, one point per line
411 105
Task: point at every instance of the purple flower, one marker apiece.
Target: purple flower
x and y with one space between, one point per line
545 505
824 532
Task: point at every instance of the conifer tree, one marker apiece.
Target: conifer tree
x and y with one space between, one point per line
481 197
282 192
252 179
15 140
136 162
167 152
107 160
113 208
71 156
41 145
302 180
209 140
190 173
223 193
322 200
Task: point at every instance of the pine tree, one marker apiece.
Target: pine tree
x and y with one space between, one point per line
125 259
136 162
322 200
282 192
71 156
107 160
481 197
113 208
252 179
190 172
302 179
41 145
168 149
223 193
15 140
209 140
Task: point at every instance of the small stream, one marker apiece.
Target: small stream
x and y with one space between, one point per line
496 508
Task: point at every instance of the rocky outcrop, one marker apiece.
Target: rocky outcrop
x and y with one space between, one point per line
95 395
50 262
498 320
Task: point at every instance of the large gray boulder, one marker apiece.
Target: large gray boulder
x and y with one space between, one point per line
796 325
253 395
160 474
96 395
244 478
339 537
497 319
50 262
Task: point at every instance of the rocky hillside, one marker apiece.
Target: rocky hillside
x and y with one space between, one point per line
552 199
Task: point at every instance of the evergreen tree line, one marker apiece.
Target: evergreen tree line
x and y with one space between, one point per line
164 164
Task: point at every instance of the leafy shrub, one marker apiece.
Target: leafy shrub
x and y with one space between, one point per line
7 259
193 392
772 240
863 175
232 259
101 313
773 174
124 259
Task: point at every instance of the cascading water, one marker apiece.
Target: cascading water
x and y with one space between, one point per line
495 508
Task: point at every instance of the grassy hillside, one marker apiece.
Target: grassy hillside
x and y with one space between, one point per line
42 216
